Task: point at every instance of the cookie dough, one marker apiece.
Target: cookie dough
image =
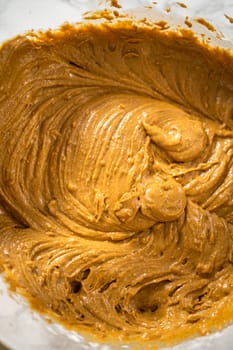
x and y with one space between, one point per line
116 178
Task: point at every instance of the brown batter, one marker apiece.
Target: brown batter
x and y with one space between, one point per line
116 179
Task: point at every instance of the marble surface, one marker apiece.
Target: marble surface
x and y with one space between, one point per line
20 328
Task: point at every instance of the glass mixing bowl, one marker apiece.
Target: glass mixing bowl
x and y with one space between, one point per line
20 327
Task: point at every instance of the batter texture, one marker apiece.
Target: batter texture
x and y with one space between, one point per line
116 178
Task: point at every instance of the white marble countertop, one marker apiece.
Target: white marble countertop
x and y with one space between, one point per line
20 329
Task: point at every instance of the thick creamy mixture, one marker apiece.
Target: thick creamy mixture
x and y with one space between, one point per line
116 178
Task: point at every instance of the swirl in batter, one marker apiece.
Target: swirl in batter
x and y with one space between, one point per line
116 178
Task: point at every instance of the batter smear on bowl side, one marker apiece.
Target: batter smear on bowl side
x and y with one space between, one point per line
116 179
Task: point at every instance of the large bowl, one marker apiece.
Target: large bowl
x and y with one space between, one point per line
20 327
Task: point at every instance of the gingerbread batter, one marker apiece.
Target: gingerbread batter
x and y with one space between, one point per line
116 179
